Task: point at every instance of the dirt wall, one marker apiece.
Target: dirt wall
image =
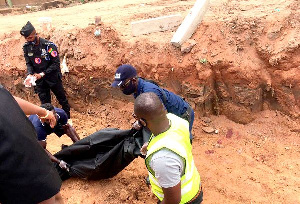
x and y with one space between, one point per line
239 66
245 62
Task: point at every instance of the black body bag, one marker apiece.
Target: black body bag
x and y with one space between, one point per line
103 154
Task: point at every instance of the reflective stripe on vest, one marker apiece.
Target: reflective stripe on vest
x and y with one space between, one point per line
177 140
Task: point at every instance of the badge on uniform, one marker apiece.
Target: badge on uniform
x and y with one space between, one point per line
37 60
53 53
30 54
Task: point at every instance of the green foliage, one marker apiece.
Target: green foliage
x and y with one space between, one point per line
203 61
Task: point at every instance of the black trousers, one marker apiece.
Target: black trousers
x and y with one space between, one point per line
43 90
197 200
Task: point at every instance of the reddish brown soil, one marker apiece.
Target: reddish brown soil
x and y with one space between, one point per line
243 74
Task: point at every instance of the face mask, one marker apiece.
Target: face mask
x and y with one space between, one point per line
130 88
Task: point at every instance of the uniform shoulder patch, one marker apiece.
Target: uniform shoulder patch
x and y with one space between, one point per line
54 53
50 50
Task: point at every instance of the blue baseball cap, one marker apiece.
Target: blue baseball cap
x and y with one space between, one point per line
125 71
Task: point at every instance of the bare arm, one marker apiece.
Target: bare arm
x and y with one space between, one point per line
61 163
172 195
53 158
30 109
169 167
43 143
70 131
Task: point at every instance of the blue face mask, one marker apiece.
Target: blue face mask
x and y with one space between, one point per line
129 89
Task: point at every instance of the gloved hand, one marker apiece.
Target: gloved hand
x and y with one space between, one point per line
136 125
30 81
62 164
143 150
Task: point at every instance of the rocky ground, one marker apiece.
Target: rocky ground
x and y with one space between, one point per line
242 78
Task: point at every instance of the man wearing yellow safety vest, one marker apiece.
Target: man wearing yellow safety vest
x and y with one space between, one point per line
173 175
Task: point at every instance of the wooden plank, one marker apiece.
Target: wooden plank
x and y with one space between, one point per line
155 24
190 22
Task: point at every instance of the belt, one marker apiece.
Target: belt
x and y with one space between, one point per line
197 196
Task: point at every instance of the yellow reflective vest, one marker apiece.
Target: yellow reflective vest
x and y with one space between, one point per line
176 139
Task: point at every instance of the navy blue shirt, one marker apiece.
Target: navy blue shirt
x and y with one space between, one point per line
44 129
173 103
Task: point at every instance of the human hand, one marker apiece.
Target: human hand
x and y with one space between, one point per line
30 81
137 125
62 164
143 149
49 117
38 76
27 81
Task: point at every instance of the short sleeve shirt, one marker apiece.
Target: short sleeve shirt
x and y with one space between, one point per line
168 168
44 129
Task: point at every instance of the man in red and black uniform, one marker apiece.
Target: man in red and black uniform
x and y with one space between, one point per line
42 61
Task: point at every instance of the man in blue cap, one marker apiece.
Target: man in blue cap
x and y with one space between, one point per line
42 61
61 127
126 79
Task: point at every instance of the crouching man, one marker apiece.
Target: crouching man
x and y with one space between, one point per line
43 129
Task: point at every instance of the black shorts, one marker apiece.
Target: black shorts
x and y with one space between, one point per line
27 175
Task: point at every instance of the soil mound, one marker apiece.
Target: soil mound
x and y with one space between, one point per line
242 74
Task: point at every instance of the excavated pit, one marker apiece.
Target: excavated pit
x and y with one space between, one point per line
242 75
238 72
